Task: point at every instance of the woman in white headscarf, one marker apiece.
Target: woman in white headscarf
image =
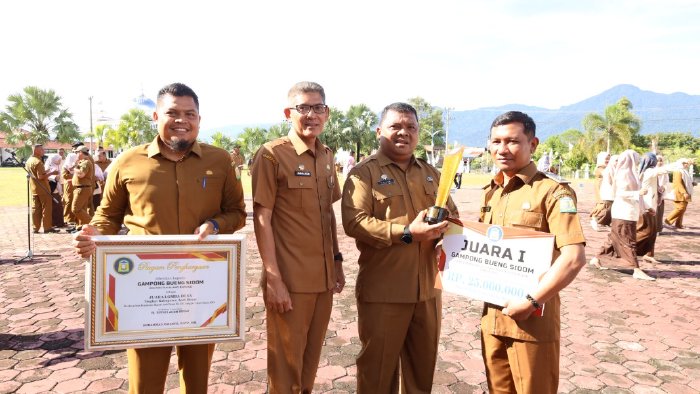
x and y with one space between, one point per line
625 212
67 177
600 215
53 163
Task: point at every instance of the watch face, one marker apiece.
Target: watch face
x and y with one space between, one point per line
407 238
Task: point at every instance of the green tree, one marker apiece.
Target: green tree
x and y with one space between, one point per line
618 125
37 116
100 133
134 128
332 134
251 139
357 133
222 141
432 132
278 130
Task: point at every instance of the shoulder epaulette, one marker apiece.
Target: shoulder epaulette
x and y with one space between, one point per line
556 178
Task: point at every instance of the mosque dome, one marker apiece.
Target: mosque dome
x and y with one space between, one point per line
144 103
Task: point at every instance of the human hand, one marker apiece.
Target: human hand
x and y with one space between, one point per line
339 277
83 243
276 295
204 229
518 309
423 231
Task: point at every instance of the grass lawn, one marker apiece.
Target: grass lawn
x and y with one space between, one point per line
13 186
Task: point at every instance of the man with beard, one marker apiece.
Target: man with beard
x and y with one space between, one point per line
196 192
385 199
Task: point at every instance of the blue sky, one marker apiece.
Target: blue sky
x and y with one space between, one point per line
242 58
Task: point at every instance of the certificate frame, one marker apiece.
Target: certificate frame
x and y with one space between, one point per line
186 270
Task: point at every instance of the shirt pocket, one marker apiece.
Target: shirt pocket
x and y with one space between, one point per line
210 182
300 192
532 220
388 202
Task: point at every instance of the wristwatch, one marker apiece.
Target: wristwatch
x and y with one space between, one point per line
407 237
215 224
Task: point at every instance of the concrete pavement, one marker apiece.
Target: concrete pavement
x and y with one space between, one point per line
619 335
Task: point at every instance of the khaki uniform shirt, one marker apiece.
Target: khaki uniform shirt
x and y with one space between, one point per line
300 188
598 179
153 195
379 200
236 159
535 202
87 167
36 167
679 188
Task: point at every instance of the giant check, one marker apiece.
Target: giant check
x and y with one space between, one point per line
493 263
147 291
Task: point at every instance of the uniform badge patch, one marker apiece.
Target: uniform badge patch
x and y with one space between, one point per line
429 179
385 180
567 205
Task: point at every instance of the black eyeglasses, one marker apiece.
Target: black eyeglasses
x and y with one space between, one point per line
305 109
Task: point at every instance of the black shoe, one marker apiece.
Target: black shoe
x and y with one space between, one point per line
51 230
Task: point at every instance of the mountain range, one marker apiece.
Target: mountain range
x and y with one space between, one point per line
659 112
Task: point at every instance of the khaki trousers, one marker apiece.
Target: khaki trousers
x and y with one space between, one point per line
148 368
676 216
294 342
82 198
393 334
515 366
41 211
68 215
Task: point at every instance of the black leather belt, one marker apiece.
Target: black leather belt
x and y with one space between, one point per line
82 186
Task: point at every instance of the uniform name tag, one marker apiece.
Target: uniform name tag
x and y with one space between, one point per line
302 173
387 181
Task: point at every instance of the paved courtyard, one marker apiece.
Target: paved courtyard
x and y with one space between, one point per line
619 335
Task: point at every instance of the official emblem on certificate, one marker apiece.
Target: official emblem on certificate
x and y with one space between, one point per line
493 263
159 290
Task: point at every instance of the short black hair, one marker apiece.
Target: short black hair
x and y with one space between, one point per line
516 117
399 107
178 90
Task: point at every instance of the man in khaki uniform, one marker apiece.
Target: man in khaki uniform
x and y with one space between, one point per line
237 160
521 349
294 187
83 183
682 190
399 309
102 161
41 194
172 185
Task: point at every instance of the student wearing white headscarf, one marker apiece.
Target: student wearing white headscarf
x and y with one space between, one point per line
600 215
622 240
53 165
683 194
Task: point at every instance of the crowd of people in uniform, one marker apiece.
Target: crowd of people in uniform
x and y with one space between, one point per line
383 207
65 189
630 192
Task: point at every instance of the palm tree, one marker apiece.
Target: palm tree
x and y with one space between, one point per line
618 125
358 130
37 116
431 127
135 128
332 134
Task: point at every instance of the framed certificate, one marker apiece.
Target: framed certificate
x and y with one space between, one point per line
493 263
158 290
